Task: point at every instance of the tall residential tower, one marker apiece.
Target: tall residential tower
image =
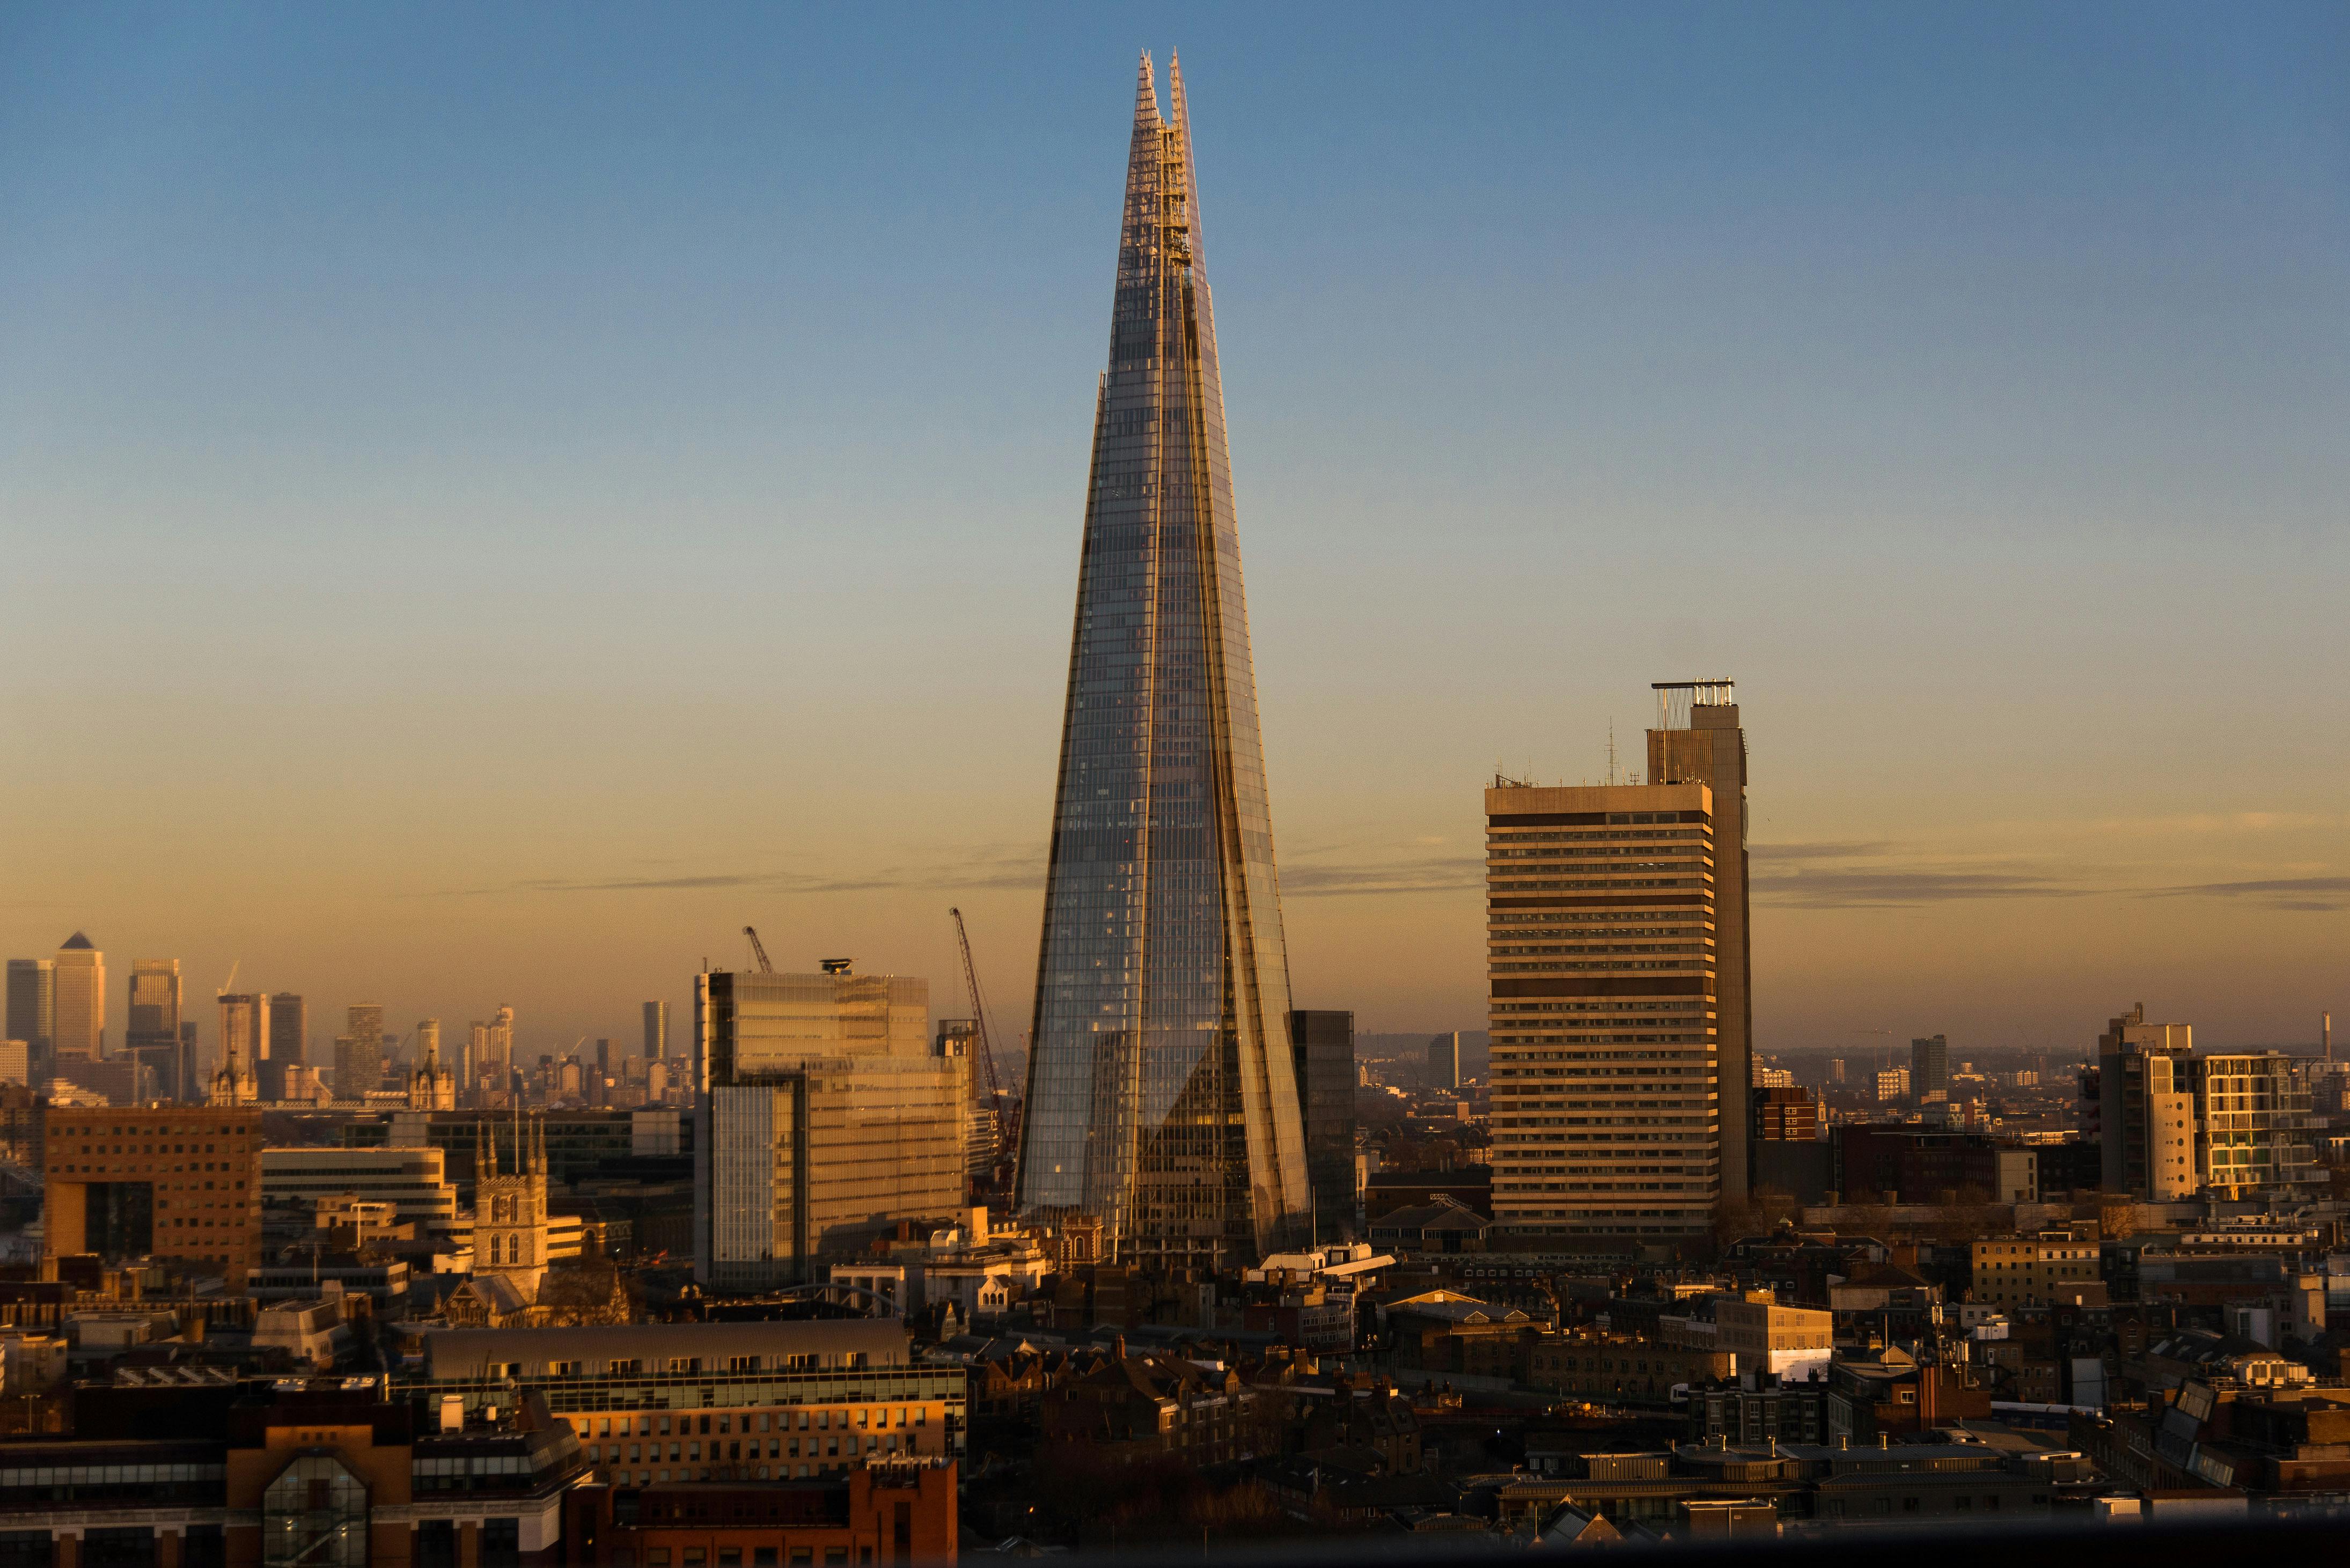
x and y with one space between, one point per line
1161 1100
1611 1103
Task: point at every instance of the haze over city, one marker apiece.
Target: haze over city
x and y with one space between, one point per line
492 506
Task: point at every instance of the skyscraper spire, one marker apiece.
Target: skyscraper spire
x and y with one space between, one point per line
1161 1100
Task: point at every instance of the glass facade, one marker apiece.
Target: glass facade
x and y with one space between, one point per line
825 1113
1160 1100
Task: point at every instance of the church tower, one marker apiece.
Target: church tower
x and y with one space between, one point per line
431 1087
510 1232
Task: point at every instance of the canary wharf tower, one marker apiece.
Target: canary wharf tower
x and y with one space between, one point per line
1161 1097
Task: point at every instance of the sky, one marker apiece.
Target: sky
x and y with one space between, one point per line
493 499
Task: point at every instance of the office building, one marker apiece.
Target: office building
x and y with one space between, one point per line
1607 1092
1836 1070
1892 1084
825 1113
78 1002
155 1183
1929 1068
16 1063
285 1045
153 1035
1697 740
489 1051
1444 1061
1157 1103
245 1032
1322 1048
32 1007
359 1051
656 1031
679 1401
414 1181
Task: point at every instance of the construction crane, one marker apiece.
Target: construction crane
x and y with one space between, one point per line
230 983
757 951
979 1016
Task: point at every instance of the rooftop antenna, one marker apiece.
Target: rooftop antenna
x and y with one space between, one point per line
1611 751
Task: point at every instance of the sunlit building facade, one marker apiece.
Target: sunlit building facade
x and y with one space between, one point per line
1603 931
1161 1100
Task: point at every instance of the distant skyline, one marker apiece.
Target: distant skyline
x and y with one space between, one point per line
491 503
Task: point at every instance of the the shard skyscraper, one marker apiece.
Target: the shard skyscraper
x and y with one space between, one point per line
1163 1099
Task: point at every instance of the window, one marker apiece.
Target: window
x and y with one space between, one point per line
836 1555
657 1557
502 1544
730 1557
695 1557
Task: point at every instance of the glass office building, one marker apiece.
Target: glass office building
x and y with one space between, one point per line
1161 1095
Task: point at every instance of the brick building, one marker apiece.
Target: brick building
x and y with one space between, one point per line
880 1517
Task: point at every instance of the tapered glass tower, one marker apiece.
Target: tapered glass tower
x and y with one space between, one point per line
1160 1100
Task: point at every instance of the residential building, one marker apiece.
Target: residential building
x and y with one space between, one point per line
1784 1341
1601 905
2037 1270
152 1033
16 1063
1916 1165
414 1181
1139 1408
1699 740
1321 1046
1930 1066
1444 1061
78 1002
2252 1115
1620 1368
155 1183
1157 1100
660 1403
2146 1106
824 1113
1785 1114
32 1007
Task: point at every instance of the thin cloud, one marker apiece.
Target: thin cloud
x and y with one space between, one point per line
986 870
2313 894
1897 889
1824 851
1444 873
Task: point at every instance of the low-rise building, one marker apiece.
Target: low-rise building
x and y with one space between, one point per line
660 1403
2037 1270
1784 1341
413 1181
880 1514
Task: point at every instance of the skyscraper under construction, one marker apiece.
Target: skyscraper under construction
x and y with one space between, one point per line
1159 1099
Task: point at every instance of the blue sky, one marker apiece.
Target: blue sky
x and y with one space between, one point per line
449 451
